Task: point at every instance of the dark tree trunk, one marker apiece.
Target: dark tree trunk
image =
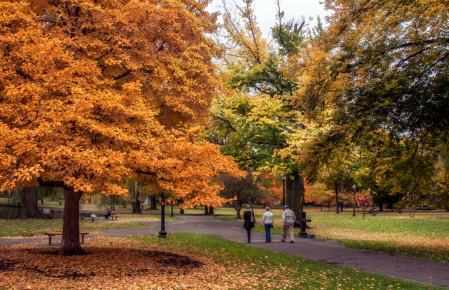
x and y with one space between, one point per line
181 210
136 206
205 210
341 206
153 202
336 198
381 207
211 210
295 193
329 206
238 207
71 226
28 200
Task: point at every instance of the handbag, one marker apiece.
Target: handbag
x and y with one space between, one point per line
253 219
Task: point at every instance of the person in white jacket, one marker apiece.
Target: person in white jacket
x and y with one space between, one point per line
288 222
268 221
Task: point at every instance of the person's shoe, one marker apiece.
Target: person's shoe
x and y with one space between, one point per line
269 239
283 241
291 242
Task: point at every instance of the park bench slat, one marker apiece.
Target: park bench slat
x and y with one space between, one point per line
52 234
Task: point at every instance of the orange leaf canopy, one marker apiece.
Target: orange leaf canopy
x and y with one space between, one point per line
91 92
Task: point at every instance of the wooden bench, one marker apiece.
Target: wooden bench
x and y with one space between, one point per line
82 234
112 217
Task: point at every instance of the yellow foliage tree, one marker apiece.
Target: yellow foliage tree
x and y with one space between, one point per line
94 92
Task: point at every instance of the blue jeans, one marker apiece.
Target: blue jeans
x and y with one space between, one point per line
267 232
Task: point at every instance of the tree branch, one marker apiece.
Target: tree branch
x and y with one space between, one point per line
51 183
123 75
145 172
226 121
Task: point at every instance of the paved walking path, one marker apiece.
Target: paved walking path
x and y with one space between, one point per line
321 250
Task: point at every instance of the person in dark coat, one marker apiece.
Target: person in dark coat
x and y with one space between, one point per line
248 225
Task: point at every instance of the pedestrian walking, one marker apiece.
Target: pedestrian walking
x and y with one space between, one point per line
268 221
248 216
288 222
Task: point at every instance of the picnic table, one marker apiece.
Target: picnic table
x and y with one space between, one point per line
52 234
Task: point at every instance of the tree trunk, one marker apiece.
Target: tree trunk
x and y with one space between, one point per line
136 204
205 210
71 225
329 206
238 207
381 207
211 210
181 210
153 202
336 198
295 193
28 200
341 206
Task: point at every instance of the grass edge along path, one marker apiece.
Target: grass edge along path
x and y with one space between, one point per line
428 248
33 228
284 270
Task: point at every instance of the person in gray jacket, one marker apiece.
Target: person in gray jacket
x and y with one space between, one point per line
288 222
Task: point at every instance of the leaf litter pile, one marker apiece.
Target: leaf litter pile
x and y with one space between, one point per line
109 263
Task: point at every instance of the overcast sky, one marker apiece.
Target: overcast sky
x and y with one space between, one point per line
265 11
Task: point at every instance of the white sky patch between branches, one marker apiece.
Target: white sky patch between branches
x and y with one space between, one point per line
265 11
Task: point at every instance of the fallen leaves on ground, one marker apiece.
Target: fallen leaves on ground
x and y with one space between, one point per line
109 263
120 263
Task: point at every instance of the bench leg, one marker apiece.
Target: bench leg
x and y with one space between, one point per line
82 239
49 240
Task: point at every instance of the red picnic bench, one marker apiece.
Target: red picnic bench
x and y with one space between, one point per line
60 234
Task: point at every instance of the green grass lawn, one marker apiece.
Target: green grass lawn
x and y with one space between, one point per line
33 227
27 228
264 269
424 236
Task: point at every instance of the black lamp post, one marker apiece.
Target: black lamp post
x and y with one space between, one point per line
283 191
172 208
162 232
354 187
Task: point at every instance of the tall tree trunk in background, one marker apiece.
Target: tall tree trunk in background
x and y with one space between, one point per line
134 189
136 206
71 227
205 210
341 206
28 201
153 202
336 197
211 210
295 193
237 206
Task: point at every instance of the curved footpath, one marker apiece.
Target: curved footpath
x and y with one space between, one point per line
321 250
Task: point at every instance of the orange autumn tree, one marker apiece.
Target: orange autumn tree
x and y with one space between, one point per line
91 93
